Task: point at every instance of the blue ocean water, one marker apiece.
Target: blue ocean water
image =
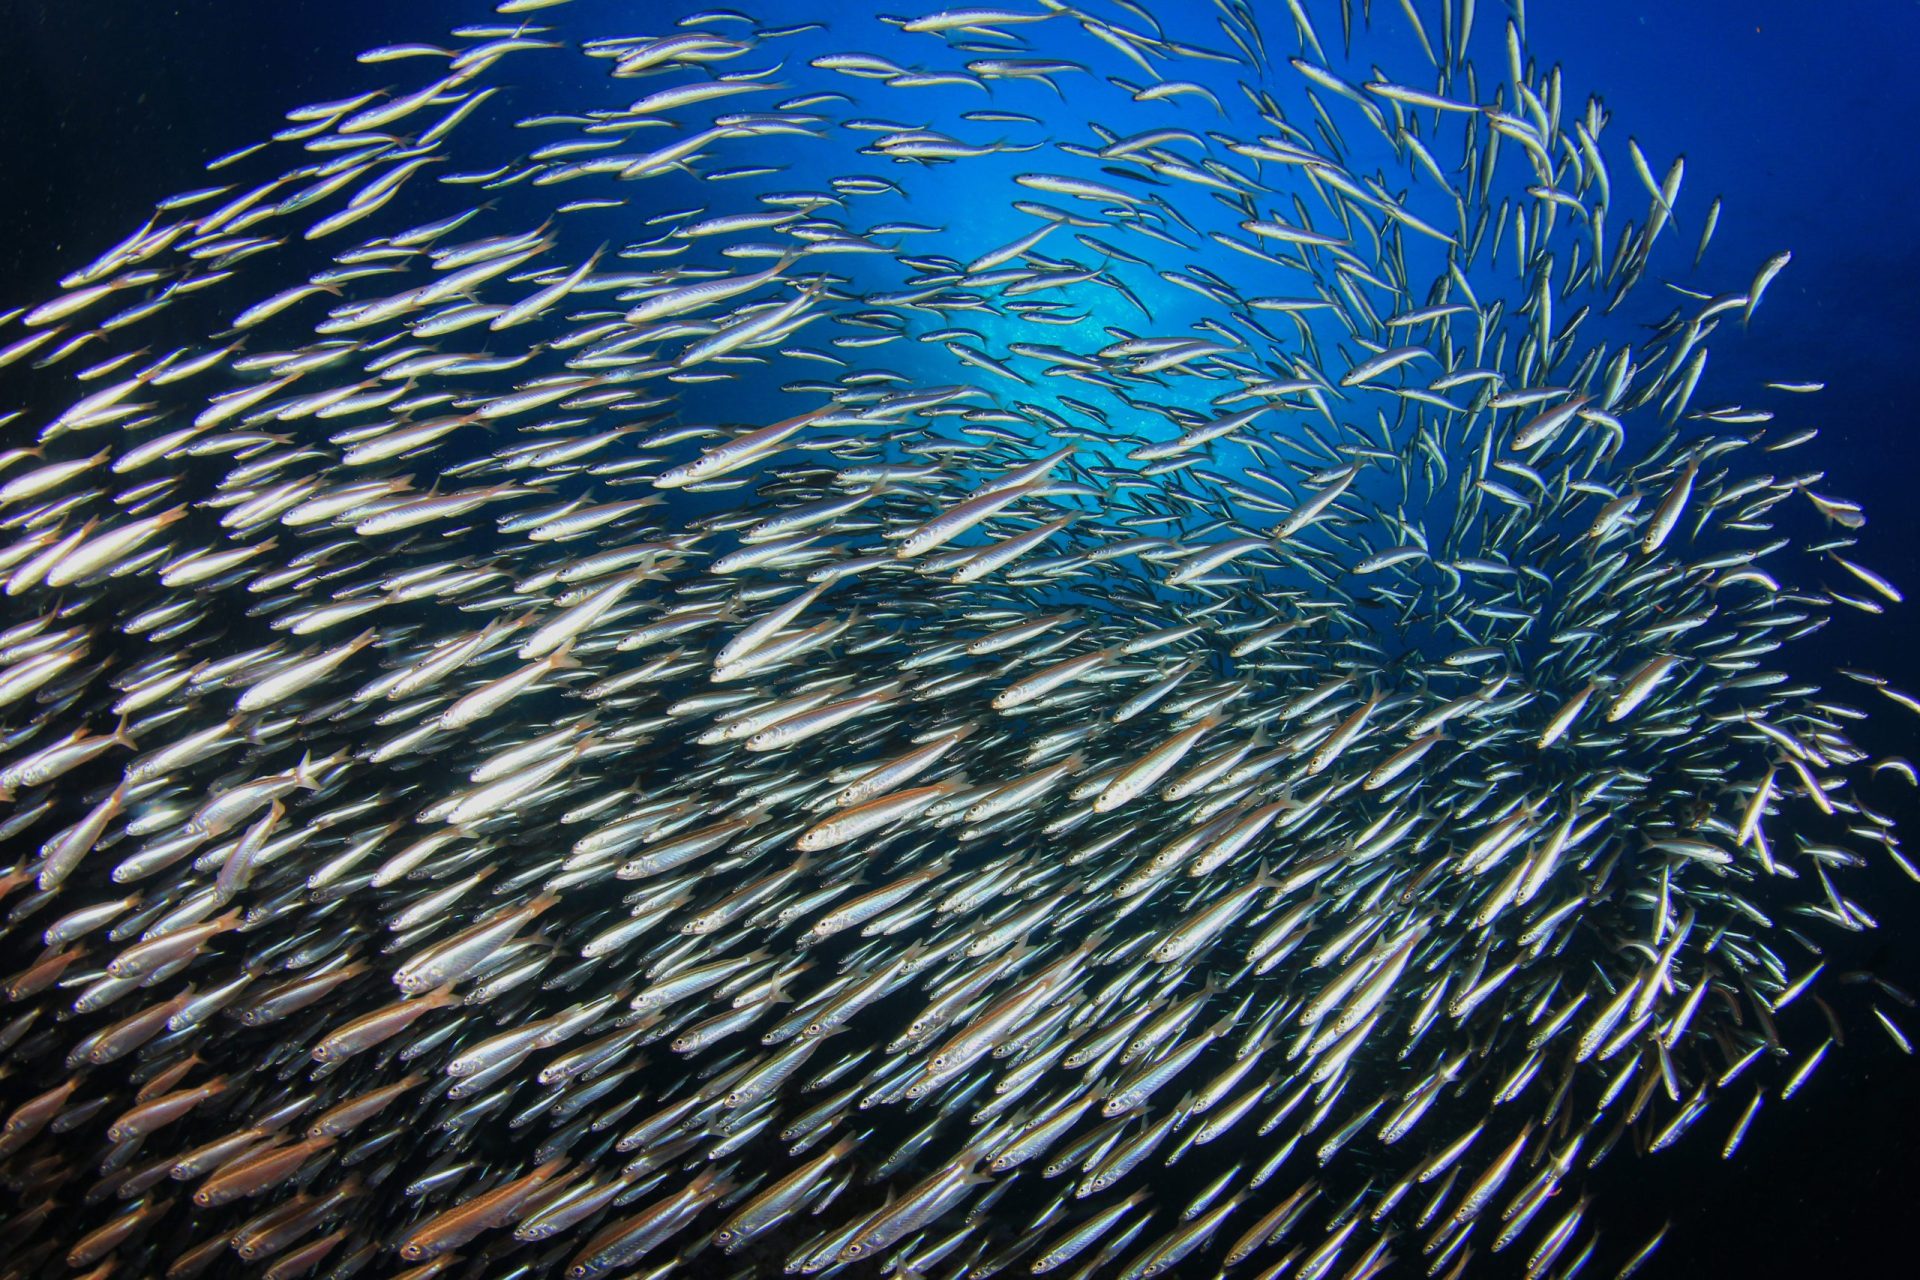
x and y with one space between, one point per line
1791 113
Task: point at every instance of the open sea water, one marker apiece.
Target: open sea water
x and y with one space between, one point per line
1796 116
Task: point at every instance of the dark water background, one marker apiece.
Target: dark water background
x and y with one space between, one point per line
1798 114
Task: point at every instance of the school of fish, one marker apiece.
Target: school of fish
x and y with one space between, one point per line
1223 705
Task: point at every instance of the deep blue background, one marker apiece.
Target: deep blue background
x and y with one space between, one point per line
1798 114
